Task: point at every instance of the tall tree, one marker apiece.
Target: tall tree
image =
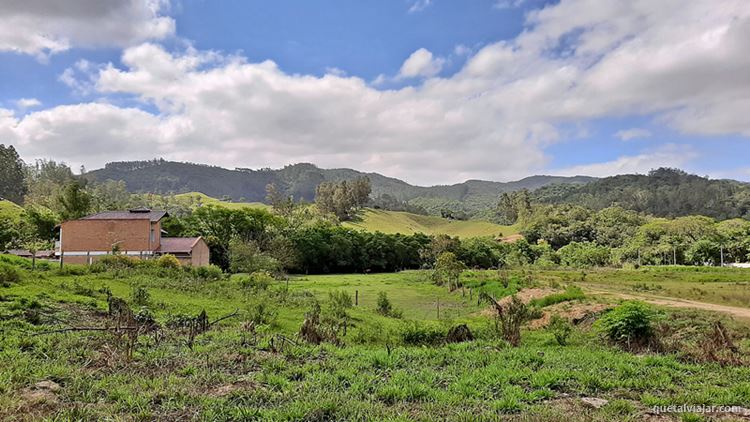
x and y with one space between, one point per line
12 175
74 201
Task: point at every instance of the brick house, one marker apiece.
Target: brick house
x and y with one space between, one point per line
135 232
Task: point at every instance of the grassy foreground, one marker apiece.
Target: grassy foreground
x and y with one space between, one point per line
233 374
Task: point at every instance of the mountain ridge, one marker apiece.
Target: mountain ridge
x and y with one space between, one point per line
299 180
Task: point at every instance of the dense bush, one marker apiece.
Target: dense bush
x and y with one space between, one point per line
631 324
584 255
168 261
256 281
207 272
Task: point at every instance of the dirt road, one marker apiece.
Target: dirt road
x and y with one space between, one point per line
671 302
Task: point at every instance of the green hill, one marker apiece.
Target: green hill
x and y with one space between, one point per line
385 221
9 210
202 198
407 223
473 197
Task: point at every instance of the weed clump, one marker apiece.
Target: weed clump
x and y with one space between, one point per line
560 329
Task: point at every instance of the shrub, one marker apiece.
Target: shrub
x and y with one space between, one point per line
262 313
385 307
208 272
140 296
560 329
256 281
168 261
510 317
8 274
631 324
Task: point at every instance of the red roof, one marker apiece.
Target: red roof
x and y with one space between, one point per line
135 214
178 244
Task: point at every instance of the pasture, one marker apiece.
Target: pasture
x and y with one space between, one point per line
376 371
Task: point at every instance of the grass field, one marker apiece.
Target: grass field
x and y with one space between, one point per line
230 374
205 199
9 210
407 223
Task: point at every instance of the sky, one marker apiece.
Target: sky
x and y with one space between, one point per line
429 91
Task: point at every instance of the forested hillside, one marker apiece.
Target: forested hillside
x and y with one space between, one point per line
473 197
662 193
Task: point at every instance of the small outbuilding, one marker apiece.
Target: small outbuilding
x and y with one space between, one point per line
188 250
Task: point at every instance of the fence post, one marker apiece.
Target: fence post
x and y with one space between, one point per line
62 254
356 298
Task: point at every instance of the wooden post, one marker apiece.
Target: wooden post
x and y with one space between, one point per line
356 298
639 257
88 257
674 256
722 255
33 261
62 254
438 308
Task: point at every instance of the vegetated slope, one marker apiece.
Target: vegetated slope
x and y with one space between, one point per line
408 223
9 210
664 193
202 198
386 221
300 180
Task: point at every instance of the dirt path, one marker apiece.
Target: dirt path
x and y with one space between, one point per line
676 303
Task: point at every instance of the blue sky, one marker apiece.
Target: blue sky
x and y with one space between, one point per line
431 91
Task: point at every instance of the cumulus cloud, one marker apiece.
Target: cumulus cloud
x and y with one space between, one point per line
576 61
41 27
421 63
633 133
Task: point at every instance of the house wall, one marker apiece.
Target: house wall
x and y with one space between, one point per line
100 235
200 254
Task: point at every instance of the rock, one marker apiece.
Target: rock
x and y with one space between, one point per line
47 385
594 402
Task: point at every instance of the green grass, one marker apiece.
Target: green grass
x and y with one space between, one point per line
207 200
232 375
9 210
407 223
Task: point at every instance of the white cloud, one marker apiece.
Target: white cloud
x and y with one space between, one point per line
419 5
42 27
421 63
25 103
578 60
669 155
633 133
